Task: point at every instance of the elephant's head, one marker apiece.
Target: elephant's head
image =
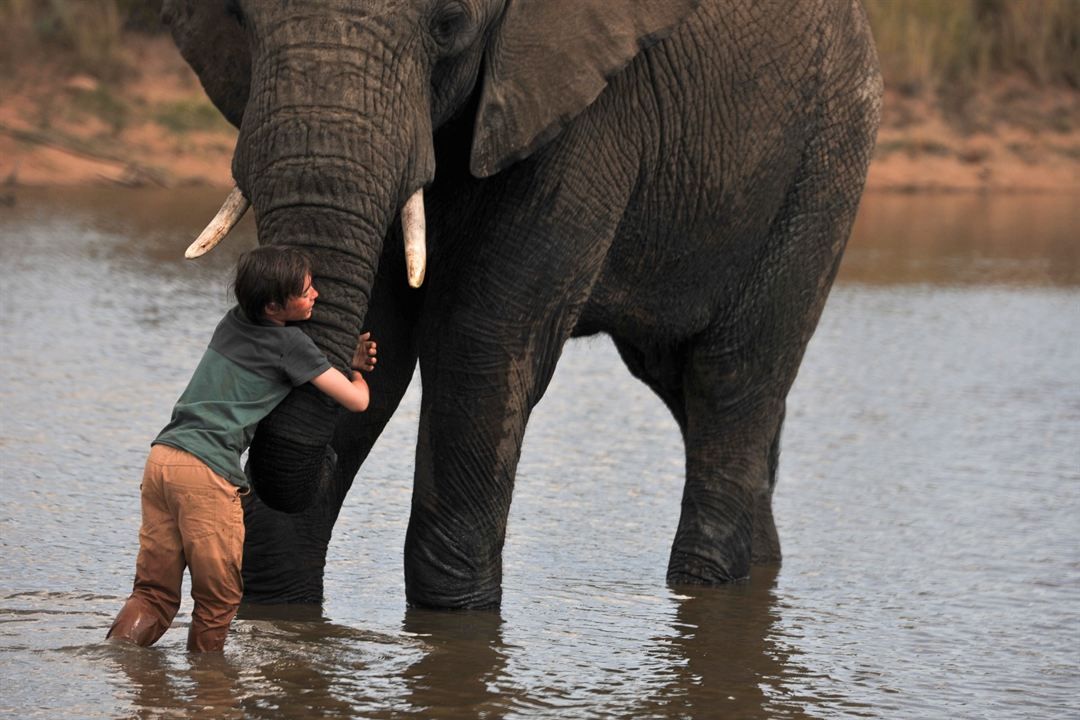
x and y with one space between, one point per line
337 102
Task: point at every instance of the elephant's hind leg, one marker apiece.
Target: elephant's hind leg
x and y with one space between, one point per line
765 545
738 372
716 518
735 383
732 422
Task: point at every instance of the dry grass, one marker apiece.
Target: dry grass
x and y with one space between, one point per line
935 47
926 46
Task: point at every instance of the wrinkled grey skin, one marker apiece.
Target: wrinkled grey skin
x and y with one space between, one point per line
681 175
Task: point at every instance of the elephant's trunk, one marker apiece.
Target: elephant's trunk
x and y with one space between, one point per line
289 457
329 179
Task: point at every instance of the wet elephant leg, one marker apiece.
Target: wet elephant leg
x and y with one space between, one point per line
285 554
729 432
662 370
765 540
712 498
479 390
489 347
735 382
738 373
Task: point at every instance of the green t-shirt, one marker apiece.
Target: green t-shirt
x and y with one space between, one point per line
246 371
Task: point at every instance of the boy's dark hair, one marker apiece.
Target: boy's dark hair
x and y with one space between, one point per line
269 274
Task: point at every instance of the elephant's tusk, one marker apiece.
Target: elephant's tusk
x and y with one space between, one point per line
230 213
414 227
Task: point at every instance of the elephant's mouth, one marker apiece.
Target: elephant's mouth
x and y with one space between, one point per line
413 228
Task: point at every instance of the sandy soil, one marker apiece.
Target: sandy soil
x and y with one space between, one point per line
1012 138
157 127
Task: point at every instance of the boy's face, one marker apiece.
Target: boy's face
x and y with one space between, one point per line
297 307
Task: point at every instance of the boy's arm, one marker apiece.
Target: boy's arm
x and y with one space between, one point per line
354 394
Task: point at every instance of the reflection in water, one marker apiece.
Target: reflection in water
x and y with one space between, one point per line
290 661
282 661
727 658
301 664
161 683
964 239
465 656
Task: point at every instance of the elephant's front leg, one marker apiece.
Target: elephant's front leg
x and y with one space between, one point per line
488 348
478 393
505 292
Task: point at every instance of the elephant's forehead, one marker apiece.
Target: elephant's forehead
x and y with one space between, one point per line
348 21
353 8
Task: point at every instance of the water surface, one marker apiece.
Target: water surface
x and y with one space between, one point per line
927 502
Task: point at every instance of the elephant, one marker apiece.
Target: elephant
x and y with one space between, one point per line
479 181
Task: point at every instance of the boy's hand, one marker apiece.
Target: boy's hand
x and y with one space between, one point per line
364 358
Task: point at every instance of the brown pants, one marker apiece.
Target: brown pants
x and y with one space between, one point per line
191 516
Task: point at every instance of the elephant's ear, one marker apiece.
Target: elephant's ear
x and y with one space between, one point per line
216 47
548 59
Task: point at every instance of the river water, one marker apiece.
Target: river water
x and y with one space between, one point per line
928 500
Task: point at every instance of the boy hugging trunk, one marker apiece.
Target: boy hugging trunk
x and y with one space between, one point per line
193 481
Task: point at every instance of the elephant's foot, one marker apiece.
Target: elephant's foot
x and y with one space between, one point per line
444 588
692 568
277 590
438 596
441 579
710 552
429 598
766 541
712 559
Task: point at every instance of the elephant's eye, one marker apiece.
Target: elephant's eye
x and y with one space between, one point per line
451 26
233 9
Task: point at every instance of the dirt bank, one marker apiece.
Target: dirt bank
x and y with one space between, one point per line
1011 137
157 127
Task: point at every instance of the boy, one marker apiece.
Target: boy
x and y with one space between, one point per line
193 481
